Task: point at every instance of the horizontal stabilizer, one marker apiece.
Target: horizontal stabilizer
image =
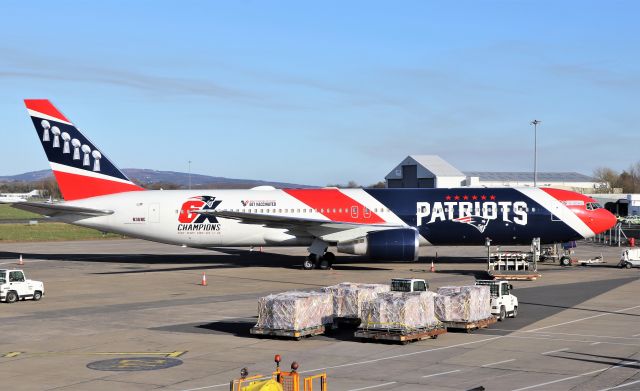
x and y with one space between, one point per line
52 210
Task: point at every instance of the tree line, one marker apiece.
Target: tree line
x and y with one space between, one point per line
628 180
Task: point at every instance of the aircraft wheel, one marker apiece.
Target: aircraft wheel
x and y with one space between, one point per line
308 263
323 264
329 257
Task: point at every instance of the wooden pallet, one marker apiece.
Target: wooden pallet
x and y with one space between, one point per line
478 324
401 336
296 334
514 276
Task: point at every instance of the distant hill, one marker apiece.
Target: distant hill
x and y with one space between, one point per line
179 179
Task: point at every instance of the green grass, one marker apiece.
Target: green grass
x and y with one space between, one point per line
9 213
49 232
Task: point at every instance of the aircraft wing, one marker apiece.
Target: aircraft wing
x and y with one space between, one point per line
53 210
331 231
11 200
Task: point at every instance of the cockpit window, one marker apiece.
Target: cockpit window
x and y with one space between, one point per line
593 206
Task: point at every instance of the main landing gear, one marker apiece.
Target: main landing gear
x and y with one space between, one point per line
319 257
312 261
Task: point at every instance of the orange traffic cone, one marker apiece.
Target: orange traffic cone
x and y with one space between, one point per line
20 261
433 268
204 279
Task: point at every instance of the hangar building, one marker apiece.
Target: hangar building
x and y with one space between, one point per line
431 171
425 171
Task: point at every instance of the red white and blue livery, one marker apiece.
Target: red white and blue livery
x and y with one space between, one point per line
386 224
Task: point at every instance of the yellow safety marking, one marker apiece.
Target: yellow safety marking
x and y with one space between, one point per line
165 354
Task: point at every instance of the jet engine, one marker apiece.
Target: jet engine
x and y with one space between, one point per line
400 244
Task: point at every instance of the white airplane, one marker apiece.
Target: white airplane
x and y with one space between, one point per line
388 224
6 198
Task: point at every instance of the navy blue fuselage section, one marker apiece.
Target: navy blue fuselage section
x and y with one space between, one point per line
468 216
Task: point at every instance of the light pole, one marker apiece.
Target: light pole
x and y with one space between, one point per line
189 174
535 123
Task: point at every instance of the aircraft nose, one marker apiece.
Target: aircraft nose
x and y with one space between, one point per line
602 220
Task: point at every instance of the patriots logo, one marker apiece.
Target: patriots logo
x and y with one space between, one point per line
210 203
203 202
477 221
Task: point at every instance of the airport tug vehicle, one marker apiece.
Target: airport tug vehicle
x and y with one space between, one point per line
630 258
409 285
15 286
503 303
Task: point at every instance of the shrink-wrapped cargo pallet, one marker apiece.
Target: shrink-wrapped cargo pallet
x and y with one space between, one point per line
349 298
463 303
295 310
400 311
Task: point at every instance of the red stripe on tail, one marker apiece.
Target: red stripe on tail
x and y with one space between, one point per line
45 107
75 187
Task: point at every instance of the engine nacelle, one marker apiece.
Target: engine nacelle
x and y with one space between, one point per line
400 244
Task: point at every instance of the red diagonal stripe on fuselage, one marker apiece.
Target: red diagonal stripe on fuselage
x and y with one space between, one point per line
325 201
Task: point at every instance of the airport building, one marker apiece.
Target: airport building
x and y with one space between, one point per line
431 171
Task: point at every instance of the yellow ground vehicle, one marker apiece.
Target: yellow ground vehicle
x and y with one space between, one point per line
279 380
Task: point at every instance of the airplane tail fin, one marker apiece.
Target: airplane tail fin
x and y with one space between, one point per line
81 170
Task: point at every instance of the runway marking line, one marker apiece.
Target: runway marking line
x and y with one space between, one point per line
555 351
622 364
370 387
442 373
573 334
568 340
581 319
496 363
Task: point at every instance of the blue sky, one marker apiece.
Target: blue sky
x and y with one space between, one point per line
327 92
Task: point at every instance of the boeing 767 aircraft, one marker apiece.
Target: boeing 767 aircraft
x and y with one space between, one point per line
386 224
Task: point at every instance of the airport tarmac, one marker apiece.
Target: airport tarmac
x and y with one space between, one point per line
578 328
